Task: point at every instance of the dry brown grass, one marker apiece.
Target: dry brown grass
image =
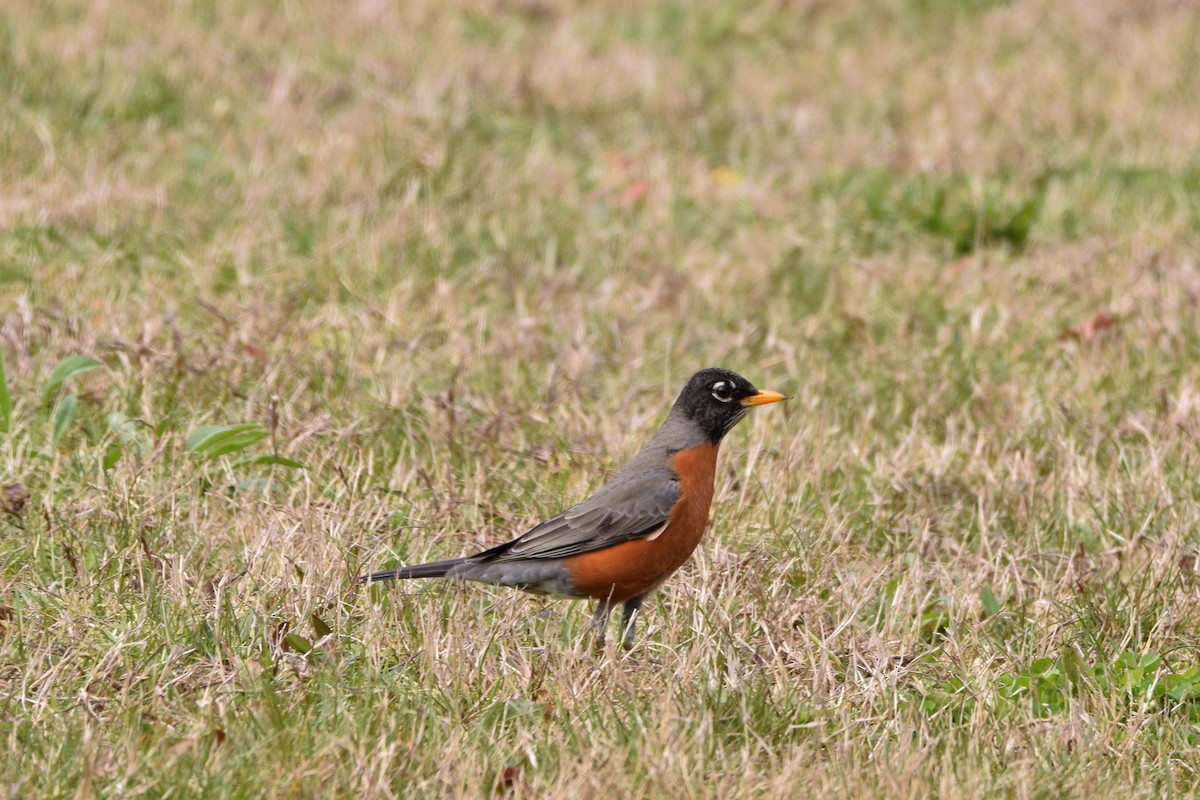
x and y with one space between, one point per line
474 249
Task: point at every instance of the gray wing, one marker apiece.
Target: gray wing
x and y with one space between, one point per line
630 507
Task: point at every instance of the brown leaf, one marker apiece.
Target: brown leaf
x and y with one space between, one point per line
1090 328
634 193
278 633
182 748
13 497
509 776
619 163
534 9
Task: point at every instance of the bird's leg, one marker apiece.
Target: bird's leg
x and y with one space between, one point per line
600 621
629 615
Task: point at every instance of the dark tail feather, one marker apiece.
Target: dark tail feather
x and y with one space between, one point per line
434 569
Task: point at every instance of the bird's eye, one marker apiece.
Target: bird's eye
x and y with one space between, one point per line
722 392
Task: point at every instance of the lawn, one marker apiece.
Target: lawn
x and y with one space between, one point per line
446 265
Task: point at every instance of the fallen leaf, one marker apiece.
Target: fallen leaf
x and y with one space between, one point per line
725 176
635 192
279 634
1090 328
535 10
182 748
13 497
509 776
618 162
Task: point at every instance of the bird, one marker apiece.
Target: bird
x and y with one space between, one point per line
623 542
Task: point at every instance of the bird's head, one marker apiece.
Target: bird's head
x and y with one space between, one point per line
716 399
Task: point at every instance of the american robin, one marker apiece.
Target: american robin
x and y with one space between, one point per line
625 540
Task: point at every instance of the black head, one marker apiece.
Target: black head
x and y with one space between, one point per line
717 399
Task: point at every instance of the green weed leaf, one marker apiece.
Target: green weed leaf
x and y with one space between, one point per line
129 433
504 712
112 454
212 441
320 627
282 461
66 369
988 601
1075 668
64 415
298 643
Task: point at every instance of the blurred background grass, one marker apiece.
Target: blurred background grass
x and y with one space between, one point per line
473 249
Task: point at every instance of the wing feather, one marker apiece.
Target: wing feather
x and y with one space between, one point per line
626 509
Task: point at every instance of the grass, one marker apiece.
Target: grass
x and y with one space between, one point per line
445 267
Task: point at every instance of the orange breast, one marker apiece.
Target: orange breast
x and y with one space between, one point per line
630 569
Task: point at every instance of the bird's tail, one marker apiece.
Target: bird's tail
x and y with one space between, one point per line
434 569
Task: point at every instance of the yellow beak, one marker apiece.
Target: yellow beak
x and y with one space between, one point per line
762 398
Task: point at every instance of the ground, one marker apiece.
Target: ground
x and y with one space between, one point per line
448 265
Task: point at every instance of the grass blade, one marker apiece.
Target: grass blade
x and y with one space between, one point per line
5 400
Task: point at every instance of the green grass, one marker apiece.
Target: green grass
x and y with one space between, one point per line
446 267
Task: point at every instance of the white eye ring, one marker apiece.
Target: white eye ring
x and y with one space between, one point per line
720 390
